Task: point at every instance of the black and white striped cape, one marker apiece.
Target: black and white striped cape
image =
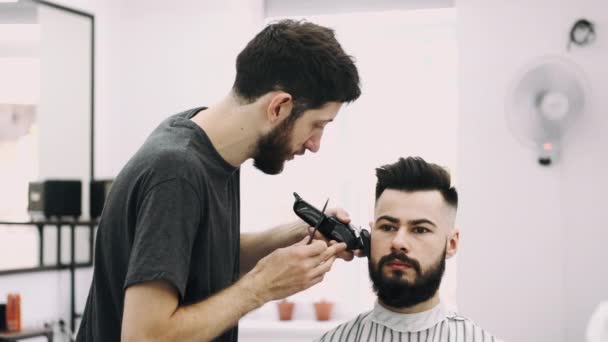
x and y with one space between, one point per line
380 326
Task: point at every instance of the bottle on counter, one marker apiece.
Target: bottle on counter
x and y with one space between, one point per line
13 312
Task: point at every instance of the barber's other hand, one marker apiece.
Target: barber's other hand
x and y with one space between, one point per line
343 217
289 270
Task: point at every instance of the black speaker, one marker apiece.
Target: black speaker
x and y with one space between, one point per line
55 198
2 317
99 190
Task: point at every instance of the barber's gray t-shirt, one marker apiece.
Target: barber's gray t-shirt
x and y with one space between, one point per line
172 214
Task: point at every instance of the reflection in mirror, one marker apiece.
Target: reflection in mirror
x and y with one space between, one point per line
46 112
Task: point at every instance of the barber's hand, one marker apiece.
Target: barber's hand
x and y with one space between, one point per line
289 270
343 217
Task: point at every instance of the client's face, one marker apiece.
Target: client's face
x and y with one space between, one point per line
411 237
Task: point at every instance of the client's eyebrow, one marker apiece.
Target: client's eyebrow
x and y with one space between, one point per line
389 219
415 222
419 221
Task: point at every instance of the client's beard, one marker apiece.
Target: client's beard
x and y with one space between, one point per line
400 293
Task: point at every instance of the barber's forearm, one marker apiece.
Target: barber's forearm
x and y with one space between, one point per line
255 246
210 318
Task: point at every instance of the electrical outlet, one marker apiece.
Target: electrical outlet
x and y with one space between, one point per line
62 326
47 322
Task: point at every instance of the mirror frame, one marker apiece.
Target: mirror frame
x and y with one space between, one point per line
92 47
57 225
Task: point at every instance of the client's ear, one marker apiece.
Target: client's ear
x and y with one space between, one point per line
452 243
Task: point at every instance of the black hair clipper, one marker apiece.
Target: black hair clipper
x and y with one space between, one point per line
331 227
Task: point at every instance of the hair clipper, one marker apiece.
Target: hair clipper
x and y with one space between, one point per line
331 227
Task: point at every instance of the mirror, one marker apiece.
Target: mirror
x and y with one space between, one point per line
46 121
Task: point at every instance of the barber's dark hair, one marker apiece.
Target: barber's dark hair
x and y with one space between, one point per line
415 174
300 58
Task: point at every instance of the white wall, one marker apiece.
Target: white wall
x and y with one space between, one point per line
532 252
283 8
170 58
24 72
584 184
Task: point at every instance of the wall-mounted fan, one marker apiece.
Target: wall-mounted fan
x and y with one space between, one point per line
543 101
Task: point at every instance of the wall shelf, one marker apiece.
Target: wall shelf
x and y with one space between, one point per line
71 266
27 333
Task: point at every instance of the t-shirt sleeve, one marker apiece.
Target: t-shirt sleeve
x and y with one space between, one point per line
167 221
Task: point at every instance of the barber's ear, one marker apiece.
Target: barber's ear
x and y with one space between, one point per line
279 107
452 243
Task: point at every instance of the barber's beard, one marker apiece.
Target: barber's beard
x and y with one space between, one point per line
397 292
274 148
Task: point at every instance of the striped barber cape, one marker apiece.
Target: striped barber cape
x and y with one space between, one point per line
382 325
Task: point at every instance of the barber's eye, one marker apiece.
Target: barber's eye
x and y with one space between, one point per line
420 230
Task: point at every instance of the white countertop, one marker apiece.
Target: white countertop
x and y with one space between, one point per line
291 326
275 330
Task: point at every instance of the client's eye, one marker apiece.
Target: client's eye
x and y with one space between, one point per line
420 230
387 227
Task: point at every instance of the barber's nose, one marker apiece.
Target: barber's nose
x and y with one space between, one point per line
400 241
314 143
